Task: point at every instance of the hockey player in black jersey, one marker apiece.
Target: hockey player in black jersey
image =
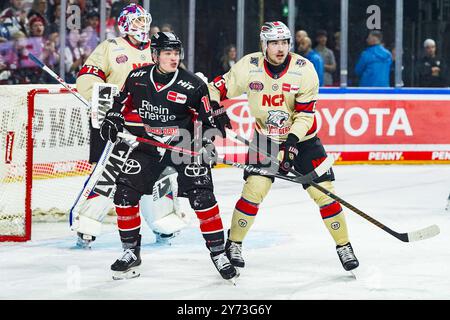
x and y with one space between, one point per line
168 100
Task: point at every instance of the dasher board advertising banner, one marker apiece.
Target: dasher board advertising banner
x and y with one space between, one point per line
360 125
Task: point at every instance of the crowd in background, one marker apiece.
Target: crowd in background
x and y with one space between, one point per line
32 26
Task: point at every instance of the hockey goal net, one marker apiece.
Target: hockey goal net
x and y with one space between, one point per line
44 140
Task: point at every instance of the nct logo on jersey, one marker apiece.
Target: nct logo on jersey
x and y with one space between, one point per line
176 97
269 100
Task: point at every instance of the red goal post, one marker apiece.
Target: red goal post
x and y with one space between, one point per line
45 145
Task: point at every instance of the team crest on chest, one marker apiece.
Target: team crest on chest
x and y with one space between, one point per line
256 86
275 122
121 59
275 87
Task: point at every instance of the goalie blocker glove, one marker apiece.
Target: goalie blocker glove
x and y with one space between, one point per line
112 125
289 151
221 119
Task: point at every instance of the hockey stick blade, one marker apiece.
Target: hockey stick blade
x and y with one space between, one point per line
422 234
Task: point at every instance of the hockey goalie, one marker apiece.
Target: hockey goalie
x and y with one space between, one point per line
98 81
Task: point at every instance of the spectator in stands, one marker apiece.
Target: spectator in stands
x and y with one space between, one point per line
337 56
167 27
74 55
39 45
5 56
118 6
154 30
14 18
299 35
327 57
39 8
374 63
432 70
92 30
313 56
228 59
55 18
111 26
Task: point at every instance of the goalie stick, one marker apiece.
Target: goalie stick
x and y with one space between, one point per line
421 234
39 63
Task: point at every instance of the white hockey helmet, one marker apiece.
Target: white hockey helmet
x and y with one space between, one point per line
127 22
273 31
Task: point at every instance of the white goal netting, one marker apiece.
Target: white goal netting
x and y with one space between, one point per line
43 165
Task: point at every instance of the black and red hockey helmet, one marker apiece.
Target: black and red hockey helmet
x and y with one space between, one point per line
166 41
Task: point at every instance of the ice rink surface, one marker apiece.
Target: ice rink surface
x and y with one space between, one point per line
289 252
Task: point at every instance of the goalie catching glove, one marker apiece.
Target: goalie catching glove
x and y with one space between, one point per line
221 119
288 153
112 125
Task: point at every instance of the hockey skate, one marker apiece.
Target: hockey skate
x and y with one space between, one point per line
233 250
84 241
225 268
127 266
347 257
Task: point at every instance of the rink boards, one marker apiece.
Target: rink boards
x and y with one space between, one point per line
361 125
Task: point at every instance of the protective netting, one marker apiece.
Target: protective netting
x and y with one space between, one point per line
60 132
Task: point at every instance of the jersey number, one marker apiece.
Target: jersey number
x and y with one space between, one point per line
206 104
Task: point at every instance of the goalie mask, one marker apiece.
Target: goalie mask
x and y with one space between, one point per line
274 31
166 41
135 21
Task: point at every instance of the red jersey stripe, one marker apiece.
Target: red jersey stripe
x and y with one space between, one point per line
92 70
330 210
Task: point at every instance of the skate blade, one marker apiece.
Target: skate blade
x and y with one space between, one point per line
352 274
129 274
233 280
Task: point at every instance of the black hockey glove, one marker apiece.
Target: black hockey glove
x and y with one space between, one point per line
207 154
288 153
221 119
113 124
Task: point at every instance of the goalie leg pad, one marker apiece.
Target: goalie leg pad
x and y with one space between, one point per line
160 215
86 225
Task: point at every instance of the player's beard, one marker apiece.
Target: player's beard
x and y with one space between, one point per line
277 59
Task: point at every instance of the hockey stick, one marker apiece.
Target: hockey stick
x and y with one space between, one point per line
248 167
39 63
58 78
417 235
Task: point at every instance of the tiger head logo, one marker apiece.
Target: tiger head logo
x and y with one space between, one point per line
277 118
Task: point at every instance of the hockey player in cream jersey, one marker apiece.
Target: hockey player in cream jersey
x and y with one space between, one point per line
282 89
110 63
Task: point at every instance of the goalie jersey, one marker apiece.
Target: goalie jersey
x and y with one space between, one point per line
111 62
281 103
